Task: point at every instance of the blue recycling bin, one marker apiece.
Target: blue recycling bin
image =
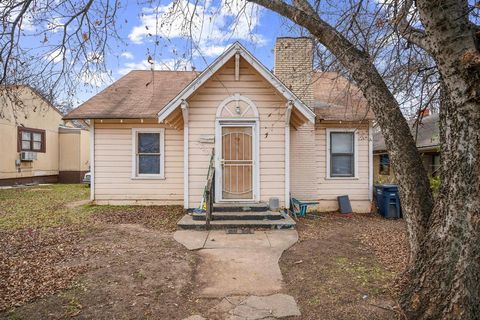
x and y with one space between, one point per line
388 201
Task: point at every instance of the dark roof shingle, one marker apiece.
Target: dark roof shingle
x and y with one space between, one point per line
138 94
428 134
143 93
338 99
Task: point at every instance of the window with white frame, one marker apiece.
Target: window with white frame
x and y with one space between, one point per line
342 154
148 155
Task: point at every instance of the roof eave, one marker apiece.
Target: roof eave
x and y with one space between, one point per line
94 117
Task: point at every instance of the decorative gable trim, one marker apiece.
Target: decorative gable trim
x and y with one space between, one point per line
234 49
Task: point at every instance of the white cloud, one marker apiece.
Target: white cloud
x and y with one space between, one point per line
209 26
165 64
127 55
210 50
56 56
55 25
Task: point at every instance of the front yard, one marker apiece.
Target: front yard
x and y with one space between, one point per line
63 258
346 268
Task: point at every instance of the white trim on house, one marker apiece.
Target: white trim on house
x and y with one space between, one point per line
217 64
355 153
92 159
185 154
159 176
219 124
370 161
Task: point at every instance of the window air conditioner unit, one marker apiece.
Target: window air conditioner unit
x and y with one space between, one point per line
28 156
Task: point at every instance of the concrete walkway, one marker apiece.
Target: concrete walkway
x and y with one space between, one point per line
242 268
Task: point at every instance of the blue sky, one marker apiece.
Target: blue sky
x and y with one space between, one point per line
256 28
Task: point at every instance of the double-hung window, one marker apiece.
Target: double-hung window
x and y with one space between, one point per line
148 153
341 154
31 140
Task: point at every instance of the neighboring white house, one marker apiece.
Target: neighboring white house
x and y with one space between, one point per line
293 131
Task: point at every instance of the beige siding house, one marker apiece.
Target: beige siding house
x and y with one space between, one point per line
292 132
34 143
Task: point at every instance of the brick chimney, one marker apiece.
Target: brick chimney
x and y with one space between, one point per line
294 66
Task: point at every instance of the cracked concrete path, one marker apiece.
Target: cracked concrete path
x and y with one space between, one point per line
238 264
242 268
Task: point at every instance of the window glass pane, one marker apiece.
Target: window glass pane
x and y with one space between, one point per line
25 145
342 166
37 145
25 135
341 142
37 137
148 142
384 164
149 164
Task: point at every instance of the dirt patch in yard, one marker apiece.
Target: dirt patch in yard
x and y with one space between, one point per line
131 272
153 217
346 268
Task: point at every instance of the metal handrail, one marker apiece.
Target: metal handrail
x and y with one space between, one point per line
210 191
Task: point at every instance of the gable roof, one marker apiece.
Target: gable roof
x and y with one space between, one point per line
139 94
152 94
217 64
336 98
428 134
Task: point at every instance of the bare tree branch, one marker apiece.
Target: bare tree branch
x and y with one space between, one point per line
404 27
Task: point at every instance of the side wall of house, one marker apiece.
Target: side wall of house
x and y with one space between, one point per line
84 150
113 166
326 189
74 155
302 161
36 114
202 111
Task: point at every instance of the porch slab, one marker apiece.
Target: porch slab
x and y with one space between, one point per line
241 215
187 222
220 239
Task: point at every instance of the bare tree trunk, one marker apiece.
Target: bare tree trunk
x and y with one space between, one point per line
414 188
444 273
445 276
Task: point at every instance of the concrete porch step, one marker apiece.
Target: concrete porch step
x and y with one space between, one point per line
240 206
187 222
240 215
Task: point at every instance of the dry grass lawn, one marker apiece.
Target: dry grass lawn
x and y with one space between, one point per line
61 258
